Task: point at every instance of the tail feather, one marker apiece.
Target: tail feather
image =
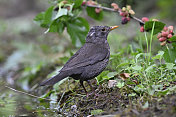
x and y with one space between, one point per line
54 79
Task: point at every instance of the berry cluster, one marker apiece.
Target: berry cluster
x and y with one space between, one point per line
165 34
90 2
125 12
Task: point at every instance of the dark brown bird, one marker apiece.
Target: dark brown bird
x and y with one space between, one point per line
89 61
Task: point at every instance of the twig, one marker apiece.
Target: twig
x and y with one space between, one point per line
111 9
28 94
101 7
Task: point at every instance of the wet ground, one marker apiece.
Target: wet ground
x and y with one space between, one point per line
109 102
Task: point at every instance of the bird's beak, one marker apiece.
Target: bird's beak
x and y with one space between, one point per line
113 27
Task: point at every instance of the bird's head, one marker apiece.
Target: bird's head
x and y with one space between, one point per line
99 33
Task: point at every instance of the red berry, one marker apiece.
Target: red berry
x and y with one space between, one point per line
170 27
83 3
142 29
145 19
124 20
116 7
97 10
165 28
126 13
165 34
91 3
121 13
170 31
159 35
161 39
128 18
169 36
88 2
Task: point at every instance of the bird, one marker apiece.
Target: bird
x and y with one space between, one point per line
89 61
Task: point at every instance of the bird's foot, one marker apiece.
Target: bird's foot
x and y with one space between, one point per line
90 94
94 94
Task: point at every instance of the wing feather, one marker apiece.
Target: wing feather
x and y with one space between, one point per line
87 55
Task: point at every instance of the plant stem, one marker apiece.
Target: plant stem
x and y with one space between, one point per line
151 38
111 9
146 39
29 94
168 51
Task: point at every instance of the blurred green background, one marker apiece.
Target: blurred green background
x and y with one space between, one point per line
27 55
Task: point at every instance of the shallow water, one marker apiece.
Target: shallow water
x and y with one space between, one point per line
16 104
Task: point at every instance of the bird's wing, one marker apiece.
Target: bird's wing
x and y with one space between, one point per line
87 55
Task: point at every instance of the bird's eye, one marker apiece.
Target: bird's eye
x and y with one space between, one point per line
103 29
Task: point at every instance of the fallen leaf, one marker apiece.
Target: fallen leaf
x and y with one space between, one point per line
112 83
124 76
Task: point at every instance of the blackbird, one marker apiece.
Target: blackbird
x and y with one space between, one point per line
89 61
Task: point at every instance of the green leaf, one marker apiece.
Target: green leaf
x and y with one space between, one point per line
39 18
44 18
172 38
139 88
100 78
91 12
48 15
111 74
159 55
158 26
56 26
132 94
78 3
174 44
150 68
146 105
123 64
170 66
53 97
137 67
78 29
120 84
45 95
170 55
163 92
60 13
96 112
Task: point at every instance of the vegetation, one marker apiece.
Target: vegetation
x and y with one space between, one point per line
140 77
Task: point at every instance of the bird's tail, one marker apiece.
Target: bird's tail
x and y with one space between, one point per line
54 79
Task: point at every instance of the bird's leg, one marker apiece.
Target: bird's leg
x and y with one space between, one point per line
81 82
93 90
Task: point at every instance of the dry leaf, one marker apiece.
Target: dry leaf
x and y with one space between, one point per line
124 76
112 83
